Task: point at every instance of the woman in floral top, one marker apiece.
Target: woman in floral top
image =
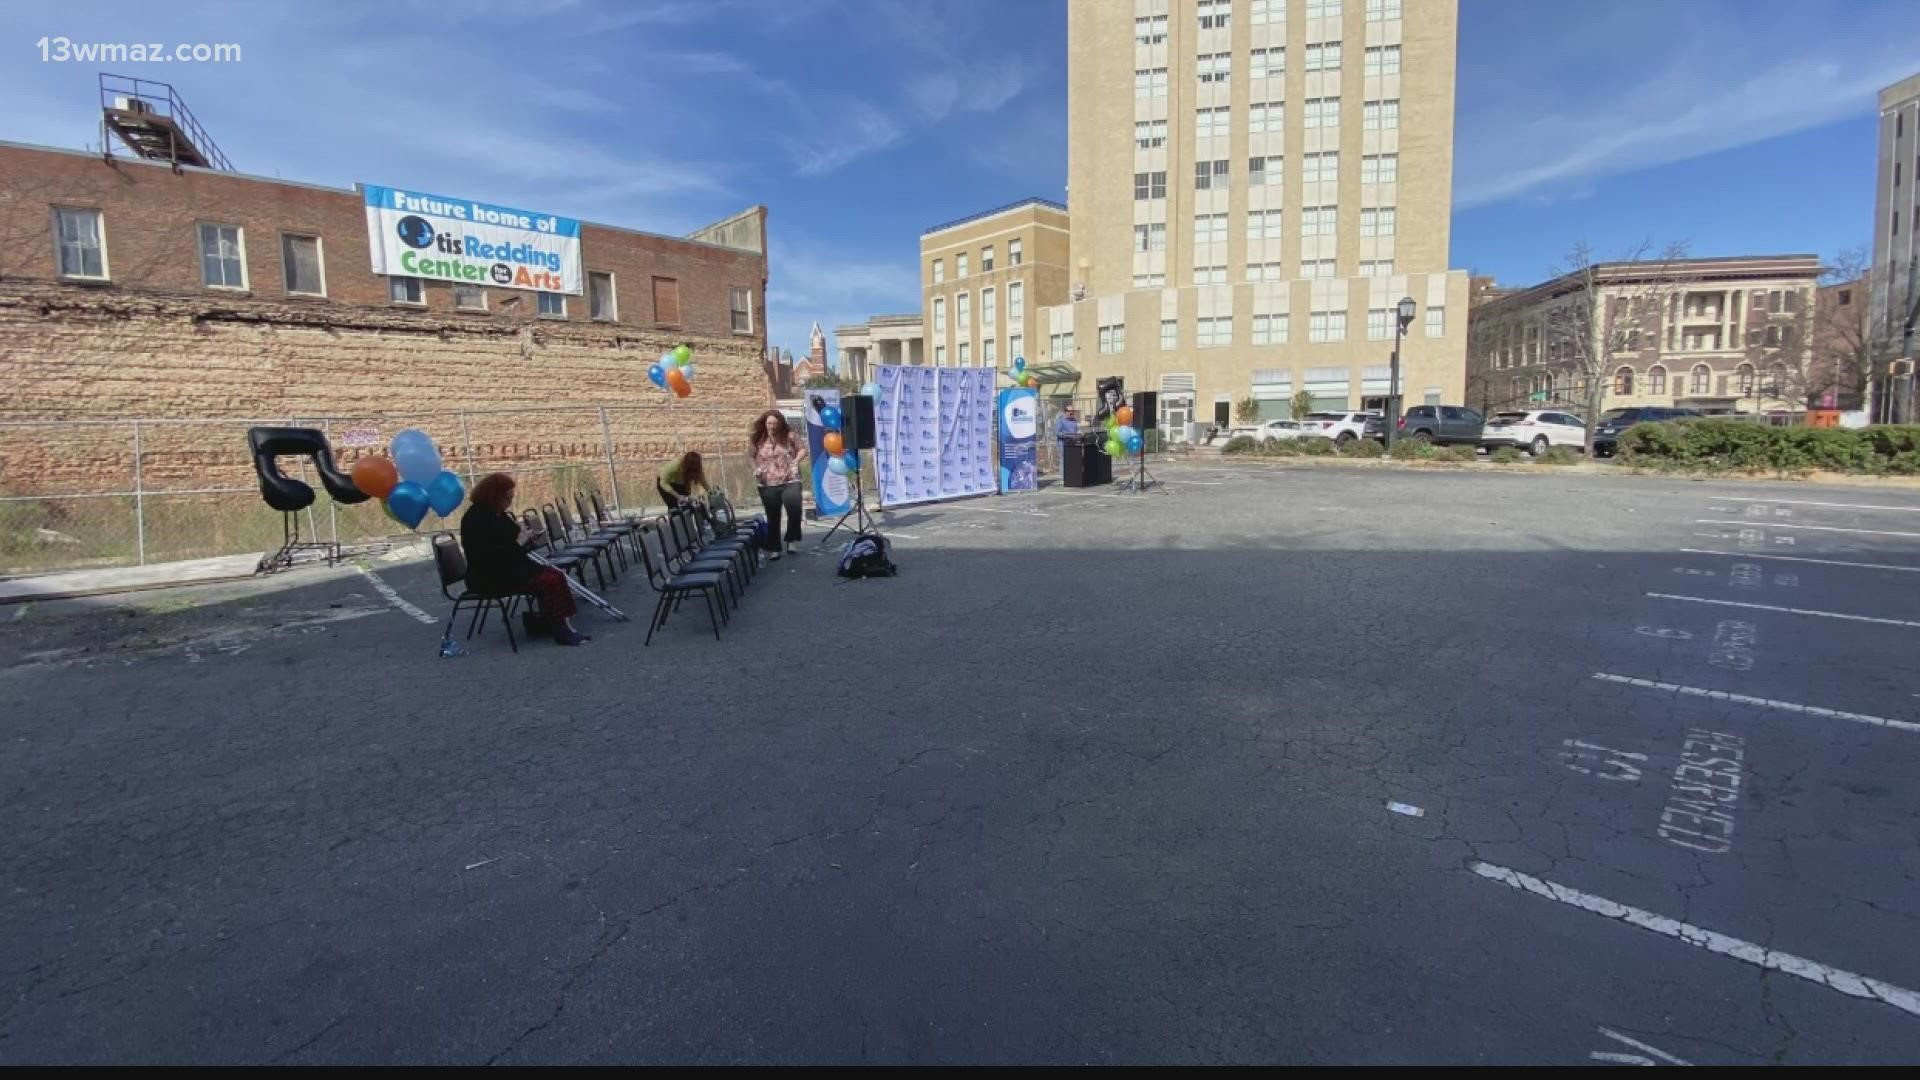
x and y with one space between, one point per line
776 467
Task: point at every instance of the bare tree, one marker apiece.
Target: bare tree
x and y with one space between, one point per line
1605 310
1844 340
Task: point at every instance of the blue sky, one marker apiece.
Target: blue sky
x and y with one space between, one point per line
1734 125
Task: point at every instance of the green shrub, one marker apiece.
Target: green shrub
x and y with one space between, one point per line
1558 455
1506 455
1281 448
1362 448
1315 446
1454 453
1412 450
1240 444
1720 445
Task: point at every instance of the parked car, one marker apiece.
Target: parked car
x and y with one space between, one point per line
1272 429
1534 430
1606 433
1341 427
1442 425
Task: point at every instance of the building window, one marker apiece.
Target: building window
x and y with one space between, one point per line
602 302
1320 168
1324 57
1209 275
1383 60
1209 229
1266 171
1214 331
1702 379
1377 222
1150 83
666 301
1268 11
986 259
1215 67
1210 123
1210 175
469 297
1656 380
1268 63
940 315
1376 268
1380 168
1147 185
740 309
553 305
1382 10
1269 329
1436 322
1623 381
405 290
1379 324
1327 326
1322 113
939 271
1216 14
960 266
79 243
1265 224
964 357
1265 271
301 259
939 356
1149 281
1271 116
1315 269
1150 30
1323 9
963 314
1147 135
989 308
1319 221
1743 380
1016 254
1149 237
1113 339
1016 344
1382 115
1169 333
223 259
1016 300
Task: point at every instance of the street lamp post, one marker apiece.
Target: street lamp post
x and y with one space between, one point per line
1404 318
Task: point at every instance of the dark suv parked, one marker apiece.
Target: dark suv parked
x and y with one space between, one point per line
1439 424
1606 434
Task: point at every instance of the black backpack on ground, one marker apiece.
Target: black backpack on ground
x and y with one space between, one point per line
866 556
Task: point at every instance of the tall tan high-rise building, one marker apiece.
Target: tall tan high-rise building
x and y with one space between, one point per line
1255 186
1896 253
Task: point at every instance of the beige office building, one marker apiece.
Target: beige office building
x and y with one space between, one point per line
1255 186
983 277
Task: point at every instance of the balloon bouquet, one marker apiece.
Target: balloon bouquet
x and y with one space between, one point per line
410 481
1021 376
1122 437
673 372
840 460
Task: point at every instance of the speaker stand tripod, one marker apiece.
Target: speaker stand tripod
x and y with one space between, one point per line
862 521
1141 478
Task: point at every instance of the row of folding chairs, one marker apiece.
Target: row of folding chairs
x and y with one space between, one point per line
685 560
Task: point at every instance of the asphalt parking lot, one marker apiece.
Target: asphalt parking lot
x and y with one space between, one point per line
1273 763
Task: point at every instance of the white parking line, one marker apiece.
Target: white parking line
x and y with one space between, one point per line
1811 502
1833 978
395 598
1633 1059
1787 610
1765 703
1822 528
1800 558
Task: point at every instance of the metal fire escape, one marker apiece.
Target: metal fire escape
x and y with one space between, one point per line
155 124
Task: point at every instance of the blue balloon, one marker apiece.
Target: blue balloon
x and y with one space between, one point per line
872 389
852 458
1134 442
837 465
657 375
416 457
446 493
408 503
1019 363
830 418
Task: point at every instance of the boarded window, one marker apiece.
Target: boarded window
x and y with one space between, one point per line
300 256
666 301
740 306
600 301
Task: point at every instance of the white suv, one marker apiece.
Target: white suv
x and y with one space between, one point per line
1534 430
1275 429
1341 427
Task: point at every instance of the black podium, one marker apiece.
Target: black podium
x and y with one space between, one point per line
1083 463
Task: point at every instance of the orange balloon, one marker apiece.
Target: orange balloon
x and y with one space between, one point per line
677 380
1124 414
833 442
375 475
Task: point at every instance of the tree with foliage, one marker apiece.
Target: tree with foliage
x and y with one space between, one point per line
1246 410
828 380
1302 404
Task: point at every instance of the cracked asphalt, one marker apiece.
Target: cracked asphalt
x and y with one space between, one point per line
1097 779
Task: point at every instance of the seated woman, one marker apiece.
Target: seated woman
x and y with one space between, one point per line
497 564
683 483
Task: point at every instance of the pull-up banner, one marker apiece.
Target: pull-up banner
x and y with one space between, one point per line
1019 429
933 431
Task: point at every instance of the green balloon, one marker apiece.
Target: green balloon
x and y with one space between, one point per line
1116 448
682 355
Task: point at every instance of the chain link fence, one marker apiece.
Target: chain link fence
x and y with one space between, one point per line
83 494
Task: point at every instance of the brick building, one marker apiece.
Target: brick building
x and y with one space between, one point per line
131 288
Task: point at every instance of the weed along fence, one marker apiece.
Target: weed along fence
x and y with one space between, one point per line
101 493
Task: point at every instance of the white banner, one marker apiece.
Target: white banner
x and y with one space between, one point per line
413 234
933 433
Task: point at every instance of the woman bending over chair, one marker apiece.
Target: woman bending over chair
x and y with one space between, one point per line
497 562
683 483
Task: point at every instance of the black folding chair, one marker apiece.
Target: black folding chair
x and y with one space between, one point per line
595 554
609 540
675 587
694 542
686 556
451 562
